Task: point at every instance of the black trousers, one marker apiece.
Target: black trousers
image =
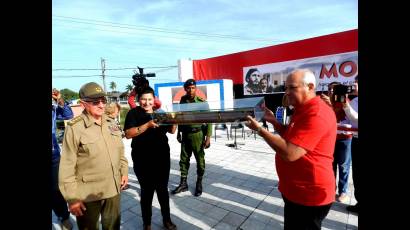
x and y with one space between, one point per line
300 217
58 204
356 162
149 184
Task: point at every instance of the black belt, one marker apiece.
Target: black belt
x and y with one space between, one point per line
192 130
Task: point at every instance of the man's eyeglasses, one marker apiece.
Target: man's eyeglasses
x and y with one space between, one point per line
97 102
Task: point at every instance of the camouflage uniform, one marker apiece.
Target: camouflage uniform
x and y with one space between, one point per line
192 142
194 138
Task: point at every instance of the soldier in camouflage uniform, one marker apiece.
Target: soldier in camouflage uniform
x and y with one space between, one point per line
93 168
194 139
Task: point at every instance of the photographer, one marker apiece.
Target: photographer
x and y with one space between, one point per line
352 112
337 95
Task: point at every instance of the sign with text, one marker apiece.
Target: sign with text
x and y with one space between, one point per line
332 56
270 78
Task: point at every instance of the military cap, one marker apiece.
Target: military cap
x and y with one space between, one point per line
91 90
189 82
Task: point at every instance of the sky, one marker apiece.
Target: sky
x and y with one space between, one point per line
154 35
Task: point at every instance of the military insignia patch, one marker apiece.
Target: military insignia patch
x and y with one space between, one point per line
114 127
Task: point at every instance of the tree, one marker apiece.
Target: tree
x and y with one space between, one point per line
68 94
129 87
113 86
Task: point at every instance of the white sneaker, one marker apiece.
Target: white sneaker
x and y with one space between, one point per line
66 224
342 198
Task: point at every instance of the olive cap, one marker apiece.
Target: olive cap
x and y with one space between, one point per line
91 90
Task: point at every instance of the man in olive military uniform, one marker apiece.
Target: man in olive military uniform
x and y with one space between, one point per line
93 168
194 139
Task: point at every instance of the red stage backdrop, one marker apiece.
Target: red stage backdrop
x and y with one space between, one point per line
341 67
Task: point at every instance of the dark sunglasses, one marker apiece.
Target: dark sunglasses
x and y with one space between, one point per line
97 102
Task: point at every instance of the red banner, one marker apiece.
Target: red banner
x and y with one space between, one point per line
231 66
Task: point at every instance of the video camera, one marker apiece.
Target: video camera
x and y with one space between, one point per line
140 79
340 91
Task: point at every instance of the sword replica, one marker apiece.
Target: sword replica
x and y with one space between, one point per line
234 110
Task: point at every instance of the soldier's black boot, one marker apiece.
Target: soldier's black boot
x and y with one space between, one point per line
182 187
168 225
198 189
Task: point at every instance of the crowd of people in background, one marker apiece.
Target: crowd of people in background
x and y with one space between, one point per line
89 174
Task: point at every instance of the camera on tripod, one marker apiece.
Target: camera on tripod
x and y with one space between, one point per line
140 79
340 91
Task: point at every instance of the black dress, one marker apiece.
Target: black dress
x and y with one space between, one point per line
151 158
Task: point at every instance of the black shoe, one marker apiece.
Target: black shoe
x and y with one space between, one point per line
353 208
182 187
169 225
198 192
198 189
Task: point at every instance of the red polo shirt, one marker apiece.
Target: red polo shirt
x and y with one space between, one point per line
309 180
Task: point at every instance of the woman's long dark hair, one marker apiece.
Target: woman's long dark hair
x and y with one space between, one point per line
145 90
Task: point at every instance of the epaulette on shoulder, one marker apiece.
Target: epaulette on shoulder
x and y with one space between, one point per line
75 120
200 98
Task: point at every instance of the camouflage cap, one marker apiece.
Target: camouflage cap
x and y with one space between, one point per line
91 90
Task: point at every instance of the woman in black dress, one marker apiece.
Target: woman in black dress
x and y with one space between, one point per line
151 156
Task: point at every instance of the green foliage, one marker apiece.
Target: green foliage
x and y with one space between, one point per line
113 85
123 114
129 87
68 94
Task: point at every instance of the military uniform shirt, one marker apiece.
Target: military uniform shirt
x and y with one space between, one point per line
185 99
92 159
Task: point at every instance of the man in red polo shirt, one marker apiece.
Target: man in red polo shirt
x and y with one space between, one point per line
304 153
